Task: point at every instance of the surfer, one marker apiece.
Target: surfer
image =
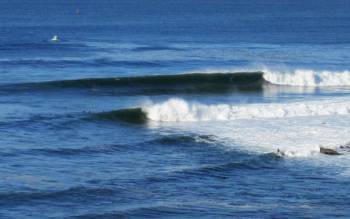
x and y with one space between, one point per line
55 39
329 151
280 153
323 150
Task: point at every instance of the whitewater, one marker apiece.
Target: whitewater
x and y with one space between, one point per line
288 76
181 111
308 77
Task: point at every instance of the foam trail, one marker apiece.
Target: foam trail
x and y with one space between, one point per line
176 109
305 77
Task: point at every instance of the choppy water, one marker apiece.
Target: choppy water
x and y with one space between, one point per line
174 109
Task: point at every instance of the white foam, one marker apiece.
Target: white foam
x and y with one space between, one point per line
307 77
292 77
179 110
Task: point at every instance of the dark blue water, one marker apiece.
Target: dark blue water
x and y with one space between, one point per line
174 109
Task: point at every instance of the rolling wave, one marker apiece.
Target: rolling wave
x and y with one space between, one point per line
159 84
179 110
308 78
191 83
215 81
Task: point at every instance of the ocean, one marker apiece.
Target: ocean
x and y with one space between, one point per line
174 109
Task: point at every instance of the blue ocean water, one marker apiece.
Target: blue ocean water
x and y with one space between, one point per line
174 109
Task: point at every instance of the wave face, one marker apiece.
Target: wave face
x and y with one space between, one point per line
239 78
135 115
159 84
180 110
198 83
209 82
312 78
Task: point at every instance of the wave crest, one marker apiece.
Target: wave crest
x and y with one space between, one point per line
305 77
158 84
179 110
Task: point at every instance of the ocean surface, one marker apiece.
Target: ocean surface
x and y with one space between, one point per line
174 109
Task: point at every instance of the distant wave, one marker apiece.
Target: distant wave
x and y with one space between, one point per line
72 62
298 77
159 84
209 82
155 48
44 45
305 77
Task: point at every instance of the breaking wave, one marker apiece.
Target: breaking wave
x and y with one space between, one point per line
305 77
198 83
180 110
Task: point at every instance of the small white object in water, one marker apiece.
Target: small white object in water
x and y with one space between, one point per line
55 38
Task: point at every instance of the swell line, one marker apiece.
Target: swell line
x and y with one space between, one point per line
194 83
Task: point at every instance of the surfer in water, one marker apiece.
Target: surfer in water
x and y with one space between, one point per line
55 39
323 150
